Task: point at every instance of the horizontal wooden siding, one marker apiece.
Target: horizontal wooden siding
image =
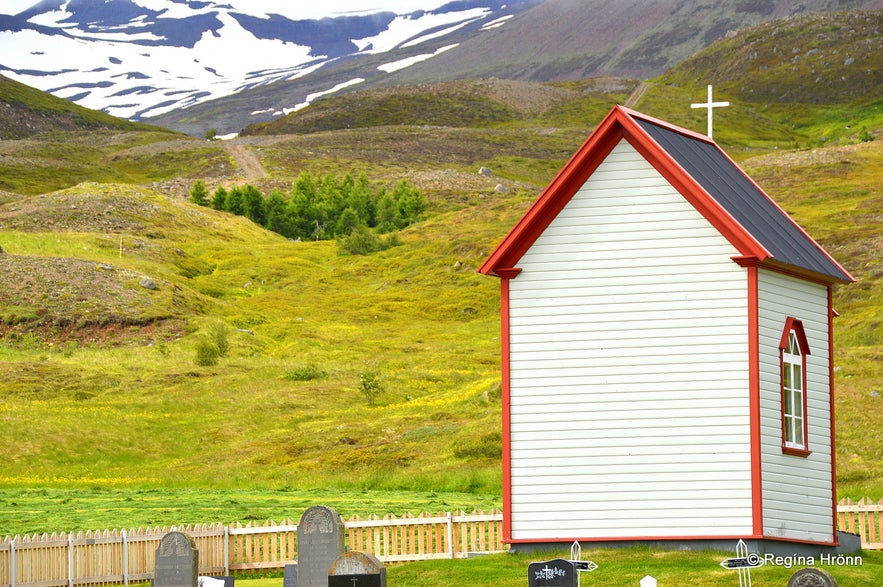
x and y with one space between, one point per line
801 512
628 366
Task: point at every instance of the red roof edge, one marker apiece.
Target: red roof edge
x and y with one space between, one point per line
806 235
557 194
618 124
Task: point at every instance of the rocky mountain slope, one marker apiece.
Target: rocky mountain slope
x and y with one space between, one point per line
200 66
553 41
26 111
136 58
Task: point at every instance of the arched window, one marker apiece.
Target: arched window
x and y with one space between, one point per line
793 349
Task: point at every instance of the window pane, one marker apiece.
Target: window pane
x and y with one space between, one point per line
793 347
786 373
789 430
797 378
797 405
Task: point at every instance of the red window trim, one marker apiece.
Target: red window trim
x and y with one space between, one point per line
793 324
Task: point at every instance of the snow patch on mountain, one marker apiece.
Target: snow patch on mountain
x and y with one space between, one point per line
403 28
141 58
409 61
317 95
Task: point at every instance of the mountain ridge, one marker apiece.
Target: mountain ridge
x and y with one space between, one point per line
556 40
136 59
302 60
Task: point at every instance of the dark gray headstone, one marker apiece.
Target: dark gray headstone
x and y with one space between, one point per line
289 578
357 569
553 573
320 540
812 577
177 561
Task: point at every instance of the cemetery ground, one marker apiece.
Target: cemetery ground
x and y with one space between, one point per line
616 568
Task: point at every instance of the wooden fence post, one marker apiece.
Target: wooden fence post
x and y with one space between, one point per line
12 563
70 559
449 535
125 559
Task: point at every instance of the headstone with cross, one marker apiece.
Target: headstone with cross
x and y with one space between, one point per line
553 573
357 569
710 105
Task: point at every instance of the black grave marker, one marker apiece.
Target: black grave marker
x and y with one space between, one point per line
553 573
357 569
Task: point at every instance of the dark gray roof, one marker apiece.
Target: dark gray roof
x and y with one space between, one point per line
742 199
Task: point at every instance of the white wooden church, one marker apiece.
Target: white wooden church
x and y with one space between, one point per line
666 351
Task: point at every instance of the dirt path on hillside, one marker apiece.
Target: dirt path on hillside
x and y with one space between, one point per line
637 94
247 161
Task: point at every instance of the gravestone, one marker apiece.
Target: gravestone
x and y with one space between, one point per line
289 578
320 540
812 577
648 581
177 561
553 573
357 569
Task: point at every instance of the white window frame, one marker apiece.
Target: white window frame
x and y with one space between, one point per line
793 349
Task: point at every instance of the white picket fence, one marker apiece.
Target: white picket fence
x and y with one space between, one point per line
117 557
114 557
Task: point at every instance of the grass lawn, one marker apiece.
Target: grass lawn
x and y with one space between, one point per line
617 568
30 511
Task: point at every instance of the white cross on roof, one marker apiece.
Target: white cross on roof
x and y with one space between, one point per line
710 105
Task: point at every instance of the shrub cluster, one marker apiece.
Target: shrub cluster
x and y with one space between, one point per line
320 208
213 345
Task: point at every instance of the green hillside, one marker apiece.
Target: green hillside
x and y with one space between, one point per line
112 281
819 74
26 112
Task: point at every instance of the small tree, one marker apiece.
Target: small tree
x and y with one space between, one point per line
277 215
253 205
360 241
219 200
199 193
235 203
370 383
348 220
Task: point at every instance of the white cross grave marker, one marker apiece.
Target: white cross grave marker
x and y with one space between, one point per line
743 563
579 564
710 105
